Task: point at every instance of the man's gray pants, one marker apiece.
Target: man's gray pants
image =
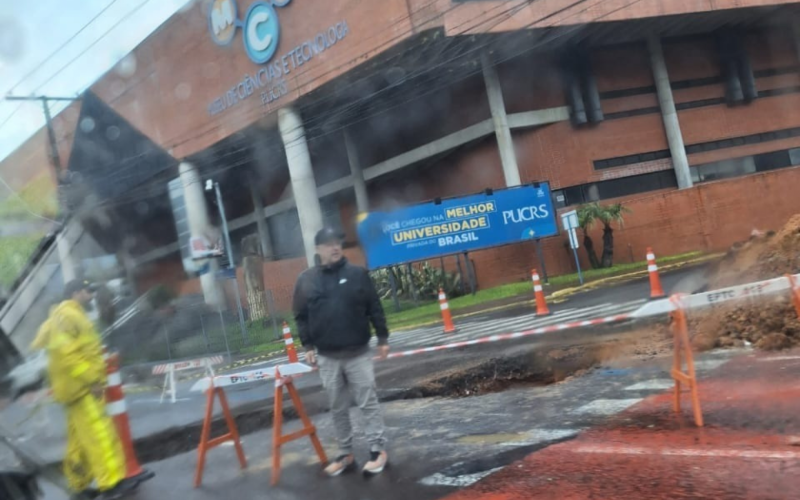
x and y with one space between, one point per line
343 378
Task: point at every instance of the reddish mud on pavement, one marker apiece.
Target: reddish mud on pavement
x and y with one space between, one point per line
748 449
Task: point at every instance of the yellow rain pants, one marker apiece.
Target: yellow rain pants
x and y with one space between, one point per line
93 447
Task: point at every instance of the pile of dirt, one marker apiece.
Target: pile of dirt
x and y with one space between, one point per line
765 255
768 325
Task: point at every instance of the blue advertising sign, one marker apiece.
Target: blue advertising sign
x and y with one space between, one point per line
457 225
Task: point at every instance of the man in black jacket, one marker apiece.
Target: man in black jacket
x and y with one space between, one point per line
334 304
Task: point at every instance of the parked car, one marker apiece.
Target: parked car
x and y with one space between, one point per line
29 375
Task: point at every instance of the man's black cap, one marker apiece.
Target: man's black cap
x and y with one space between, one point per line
75 286
327 235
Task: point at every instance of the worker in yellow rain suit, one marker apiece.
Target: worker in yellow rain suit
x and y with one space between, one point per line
43 335
77 373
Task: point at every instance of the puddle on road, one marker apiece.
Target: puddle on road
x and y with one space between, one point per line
490 438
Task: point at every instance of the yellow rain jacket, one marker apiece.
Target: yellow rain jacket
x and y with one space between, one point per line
43 335
75 366
74 351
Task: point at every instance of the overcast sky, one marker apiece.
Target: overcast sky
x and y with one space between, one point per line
37 58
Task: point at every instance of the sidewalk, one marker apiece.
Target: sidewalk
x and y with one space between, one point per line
748 449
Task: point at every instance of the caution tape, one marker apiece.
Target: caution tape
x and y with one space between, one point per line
716 297
655 308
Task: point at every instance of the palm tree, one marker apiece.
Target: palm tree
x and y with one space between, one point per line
608 215
587 217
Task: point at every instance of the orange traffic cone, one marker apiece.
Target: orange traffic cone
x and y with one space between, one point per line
289 341
118 410
541 304
447 318
656 292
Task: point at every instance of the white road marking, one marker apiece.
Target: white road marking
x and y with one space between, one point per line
780 358
434 335
652 385
709 364
688 452
457 481
607 406
537 436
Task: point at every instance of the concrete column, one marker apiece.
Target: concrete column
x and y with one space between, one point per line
199 226
359 184
505 143
267 250
65 255
304 186
672 126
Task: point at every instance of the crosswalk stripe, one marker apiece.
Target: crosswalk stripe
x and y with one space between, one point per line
434 335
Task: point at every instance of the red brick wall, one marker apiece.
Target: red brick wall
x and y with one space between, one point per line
709 217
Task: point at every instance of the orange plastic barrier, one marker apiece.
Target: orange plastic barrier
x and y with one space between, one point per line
447 318
538 292
683 348
291 351
118 410
206 442
278 439
656 291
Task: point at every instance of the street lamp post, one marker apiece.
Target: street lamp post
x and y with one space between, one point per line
229 249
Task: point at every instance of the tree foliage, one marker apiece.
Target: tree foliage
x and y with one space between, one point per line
588 216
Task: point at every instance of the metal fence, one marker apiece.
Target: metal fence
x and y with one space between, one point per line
190 328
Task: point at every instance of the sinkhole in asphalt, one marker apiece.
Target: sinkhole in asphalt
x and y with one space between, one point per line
531 369
534 368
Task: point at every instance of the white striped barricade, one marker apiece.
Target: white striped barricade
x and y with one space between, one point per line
169 369
214 388
229 379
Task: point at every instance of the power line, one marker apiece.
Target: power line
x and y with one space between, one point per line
61 47
478 48
38 66
147 189
79 55
311 127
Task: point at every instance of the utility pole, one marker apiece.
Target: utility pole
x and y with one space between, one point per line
64 249
55 158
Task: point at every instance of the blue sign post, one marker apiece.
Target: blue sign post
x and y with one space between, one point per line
457 225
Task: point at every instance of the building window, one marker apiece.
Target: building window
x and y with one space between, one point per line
622 161
625 186
745 165
794 156
724 169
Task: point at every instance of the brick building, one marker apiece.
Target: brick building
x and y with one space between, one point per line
685 111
